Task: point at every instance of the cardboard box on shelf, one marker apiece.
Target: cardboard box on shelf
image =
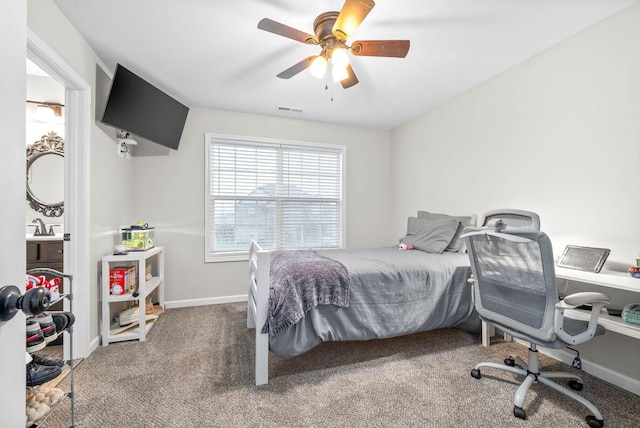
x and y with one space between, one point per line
122 279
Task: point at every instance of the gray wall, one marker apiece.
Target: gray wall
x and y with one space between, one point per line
169 194
111 190
166 188
558 134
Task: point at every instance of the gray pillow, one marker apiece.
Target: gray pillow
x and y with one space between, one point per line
430 236
456 243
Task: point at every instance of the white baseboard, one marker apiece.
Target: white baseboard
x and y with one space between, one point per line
94 344
202 302
597 370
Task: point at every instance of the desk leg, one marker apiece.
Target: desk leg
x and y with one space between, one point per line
487 333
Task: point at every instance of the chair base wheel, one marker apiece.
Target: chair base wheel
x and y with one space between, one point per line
475 373
576 385
593 422
519 412
511 362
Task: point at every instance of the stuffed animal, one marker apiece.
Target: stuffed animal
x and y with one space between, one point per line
52 396
41 402
36 411
405 247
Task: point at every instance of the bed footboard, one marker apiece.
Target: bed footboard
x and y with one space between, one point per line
257 306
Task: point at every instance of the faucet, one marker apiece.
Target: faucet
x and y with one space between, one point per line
42 230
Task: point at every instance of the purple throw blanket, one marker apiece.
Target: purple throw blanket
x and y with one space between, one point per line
301 280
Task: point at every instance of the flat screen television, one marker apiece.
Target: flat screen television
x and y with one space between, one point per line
136 106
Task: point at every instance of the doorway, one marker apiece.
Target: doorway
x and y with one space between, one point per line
77 95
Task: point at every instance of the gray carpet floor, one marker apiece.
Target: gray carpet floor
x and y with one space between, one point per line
196 370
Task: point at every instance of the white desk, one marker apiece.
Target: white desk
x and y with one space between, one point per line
608 279
621 371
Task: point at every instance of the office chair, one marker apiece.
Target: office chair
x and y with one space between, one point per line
520 219
514 289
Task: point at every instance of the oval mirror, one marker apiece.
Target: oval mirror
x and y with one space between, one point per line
45 175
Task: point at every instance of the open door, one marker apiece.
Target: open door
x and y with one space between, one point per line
12 193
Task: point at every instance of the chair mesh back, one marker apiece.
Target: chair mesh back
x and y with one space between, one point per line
513 284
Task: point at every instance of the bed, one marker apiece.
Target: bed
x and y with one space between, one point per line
391 292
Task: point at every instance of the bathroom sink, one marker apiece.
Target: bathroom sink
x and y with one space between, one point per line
44 238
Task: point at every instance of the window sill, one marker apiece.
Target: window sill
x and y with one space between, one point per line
241 256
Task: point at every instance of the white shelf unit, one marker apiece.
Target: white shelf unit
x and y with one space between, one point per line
608 279
140 259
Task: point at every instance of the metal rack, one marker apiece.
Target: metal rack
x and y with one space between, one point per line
69 296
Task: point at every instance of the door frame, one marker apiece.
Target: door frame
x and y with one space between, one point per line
77 261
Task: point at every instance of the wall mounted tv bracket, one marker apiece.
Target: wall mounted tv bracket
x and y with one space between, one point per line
123 144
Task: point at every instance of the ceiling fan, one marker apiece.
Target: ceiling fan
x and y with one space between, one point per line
332 29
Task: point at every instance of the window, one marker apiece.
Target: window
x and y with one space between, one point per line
285 195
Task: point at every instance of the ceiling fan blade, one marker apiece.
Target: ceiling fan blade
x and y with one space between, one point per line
351 16
271 26
297 68
351 80
388 48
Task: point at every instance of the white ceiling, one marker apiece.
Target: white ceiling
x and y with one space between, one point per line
210 53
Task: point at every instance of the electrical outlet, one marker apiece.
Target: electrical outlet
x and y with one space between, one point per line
577 363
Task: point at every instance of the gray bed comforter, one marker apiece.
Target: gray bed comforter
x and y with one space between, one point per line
392 293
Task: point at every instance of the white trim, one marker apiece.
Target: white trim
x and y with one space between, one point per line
204 302
597 370
77 175
94 344
270 141
233 256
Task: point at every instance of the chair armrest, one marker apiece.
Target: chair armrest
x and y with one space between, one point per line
584 298
596 300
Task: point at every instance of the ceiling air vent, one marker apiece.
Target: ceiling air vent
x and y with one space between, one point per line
289 109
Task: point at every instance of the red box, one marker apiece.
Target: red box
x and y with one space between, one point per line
122 279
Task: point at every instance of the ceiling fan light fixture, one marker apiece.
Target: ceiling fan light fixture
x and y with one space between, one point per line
332 31
339 73
318 67
339 57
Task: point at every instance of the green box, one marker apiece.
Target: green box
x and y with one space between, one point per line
137 239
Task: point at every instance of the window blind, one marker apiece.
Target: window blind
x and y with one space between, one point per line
285 196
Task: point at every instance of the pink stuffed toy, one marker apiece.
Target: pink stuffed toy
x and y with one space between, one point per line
405 247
